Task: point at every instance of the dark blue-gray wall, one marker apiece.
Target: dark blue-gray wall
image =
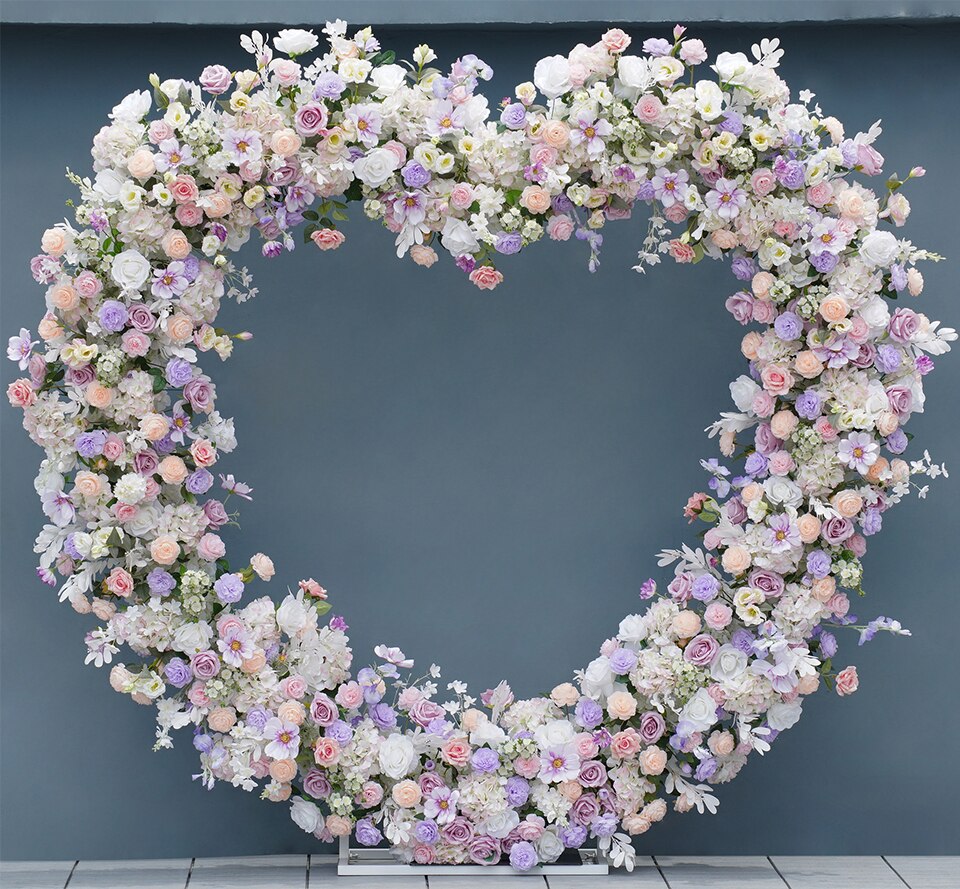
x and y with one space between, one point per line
481 478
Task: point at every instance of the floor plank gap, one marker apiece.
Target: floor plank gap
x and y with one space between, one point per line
70 875
899 877
663 876
777 869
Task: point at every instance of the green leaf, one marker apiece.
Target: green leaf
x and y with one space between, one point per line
340 216
323 607
311 214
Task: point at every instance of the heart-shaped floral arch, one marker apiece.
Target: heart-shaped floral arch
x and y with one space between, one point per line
721 659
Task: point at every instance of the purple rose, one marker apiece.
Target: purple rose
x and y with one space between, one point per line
573 836
458 832
81 377
366 833
200 393
903 325
788 326
789 173
701 650
216 513
681 586
423 712
588 713
523 856
178 672
765 441
485 760
755 464
866 355
622 661
316 784
652 727
604 825
742 639
142 318
415 175
900 399
871 522
585 809
160 582
706 769
215 79
484 850
828 645
509 243
517 790
740 305
426 832
113 315
514 116
310 119
593 773
323 711
205 664
836 529
768 582
735 511
257 718
145 462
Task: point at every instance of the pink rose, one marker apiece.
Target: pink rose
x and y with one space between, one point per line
527 767
456 752
615 40
327 238
349 695
763 181
681 252
210 548
648 109
625 744
560 227
20 393
462 196
215 79
294 687
286 71
310 119
87 284
847 681
188 215
135 343
820 194
485 277
326 751
158 131
184 189
119 582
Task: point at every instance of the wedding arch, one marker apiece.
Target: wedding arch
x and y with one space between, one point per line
731 166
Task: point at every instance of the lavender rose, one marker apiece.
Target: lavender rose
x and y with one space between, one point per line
701 650
523 856
652 727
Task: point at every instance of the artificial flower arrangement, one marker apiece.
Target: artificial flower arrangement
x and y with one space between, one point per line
722 658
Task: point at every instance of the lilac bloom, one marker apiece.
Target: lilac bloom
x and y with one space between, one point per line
58 507
514 116
329 86
858 451
415 175
113 315
170 282
410 207
440 805
283 739
172 155
444 118
242 146
782 534
180 423
20 347
726 199
590 131
235 647
559 763
229 483
367 122
670 188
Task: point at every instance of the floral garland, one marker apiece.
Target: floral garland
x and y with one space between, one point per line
719 663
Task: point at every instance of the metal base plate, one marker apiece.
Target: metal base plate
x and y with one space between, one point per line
381 862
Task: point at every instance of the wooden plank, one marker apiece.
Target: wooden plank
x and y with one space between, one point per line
719 872
836 872
494 881
927 871
35 874
254 872
644 876
167 873
323 875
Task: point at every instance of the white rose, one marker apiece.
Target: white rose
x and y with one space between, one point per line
879 249
552 76
292 42
501 824
709 99
876 401
132 108
783 716
729 664
263 566
388 79
355 70
634 72
191 638
633 628
549 846
742 391
487 733
306 815
732 67
108 184
555 733
144 523
457 237
292 615
130 269
700 712
375 167
781 491
597 678
666 69
475 111
397 756
875 312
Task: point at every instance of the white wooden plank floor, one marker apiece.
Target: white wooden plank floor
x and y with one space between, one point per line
319 872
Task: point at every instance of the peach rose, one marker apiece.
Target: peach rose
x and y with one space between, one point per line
423 255
782 424
824 588
283 770
154 426
751 492
565 695
485 277
776 380
172 469
262 566
285 142
64 297
761 284
847 503
555 133
887 423
179 328
724 239
808 365
338 825
54 242
636 824
223 719
653 761
535 198
847 681
686 624
615 40
140 164
406 794
721 743
176 245
292 711
328 238
254 664
878 469
809 527
621 705
164 550
216 205
736 559
278 793
808 684
570 790
88 484
834 309
49 328
98 395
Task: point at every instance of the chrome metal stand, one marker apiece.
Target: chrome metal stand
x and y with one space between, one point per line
353 861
